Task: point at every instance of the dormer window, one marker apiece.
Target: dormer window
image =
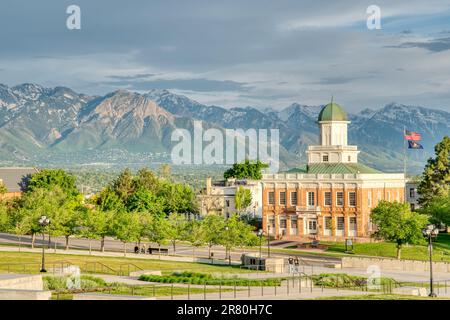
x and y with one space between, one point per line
325 158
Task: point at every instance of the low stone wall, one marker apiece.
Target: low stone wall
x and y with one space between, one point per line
21 281
97 296
394 264
14 294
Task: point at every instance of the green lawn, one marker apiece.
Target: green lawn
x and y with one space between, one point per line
441 250
379 297
25 262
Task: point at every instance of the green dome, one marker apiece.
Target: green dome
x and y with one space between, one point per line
333 112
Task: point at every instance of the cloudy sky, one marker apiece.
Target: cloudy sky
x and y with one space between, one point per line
262 53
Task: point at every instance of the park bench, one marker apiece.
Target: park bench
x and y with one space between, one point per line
158 250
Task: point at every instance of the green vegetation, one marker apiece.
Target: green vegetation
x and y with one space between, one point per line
208 279
243 199
441 249
25 262
87 282
438 209
131 208
246 170
377 297
3 188
436 175
395 222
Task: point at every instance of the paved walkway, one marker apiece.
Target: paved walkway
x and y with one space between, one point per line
415 276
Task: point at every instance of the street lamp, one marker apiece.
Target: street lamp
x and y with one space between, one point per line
431 231
229 251
268 240
43 222
260 234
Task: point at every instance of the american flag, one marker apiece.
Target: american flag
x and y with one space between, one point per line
412 136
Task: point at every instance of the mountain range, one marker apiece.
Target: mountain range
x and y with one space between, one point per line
39 124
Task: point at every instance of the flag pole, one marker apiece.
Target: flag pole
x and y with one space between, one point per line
404 162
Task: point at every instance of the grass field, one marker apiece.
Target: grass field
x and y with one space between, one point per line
25 262
379 297
441 250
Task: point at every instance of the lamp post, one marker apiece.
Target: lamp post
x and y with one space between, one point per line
268 240
226 249
260 234
43 222
431 231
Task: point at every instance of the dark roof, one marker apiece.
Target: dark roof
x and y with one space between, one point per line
15 179
330 168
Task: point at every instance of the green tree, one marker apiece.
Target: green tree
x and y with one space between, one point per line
236 233
5 219
36 203
176 228
243 199
155 230
214 226
438 208
3 188
50 178
196 234
126 228
146 179
143 200
436 175
246 170
395 222
123 185
178 198
108 200
97 224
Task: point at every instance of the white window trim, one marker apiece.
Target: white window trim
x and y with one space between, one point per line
324 199
356 201
290 198
340 205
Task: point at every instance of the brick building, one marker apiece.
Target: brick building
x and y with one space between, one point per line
331 197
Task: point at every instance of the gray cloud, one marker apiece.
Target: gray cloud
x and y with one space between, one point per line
205 85
435 45
133 77
231 52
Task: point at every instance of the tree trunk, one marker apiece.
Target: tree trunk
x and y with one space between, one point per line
399 252
49 241
33 239
67 242
209 252
159 251
124 249
90 246
20 242
173 244
102 244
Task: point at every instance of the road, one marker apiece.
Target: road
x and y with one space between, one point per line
309 264
181 248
